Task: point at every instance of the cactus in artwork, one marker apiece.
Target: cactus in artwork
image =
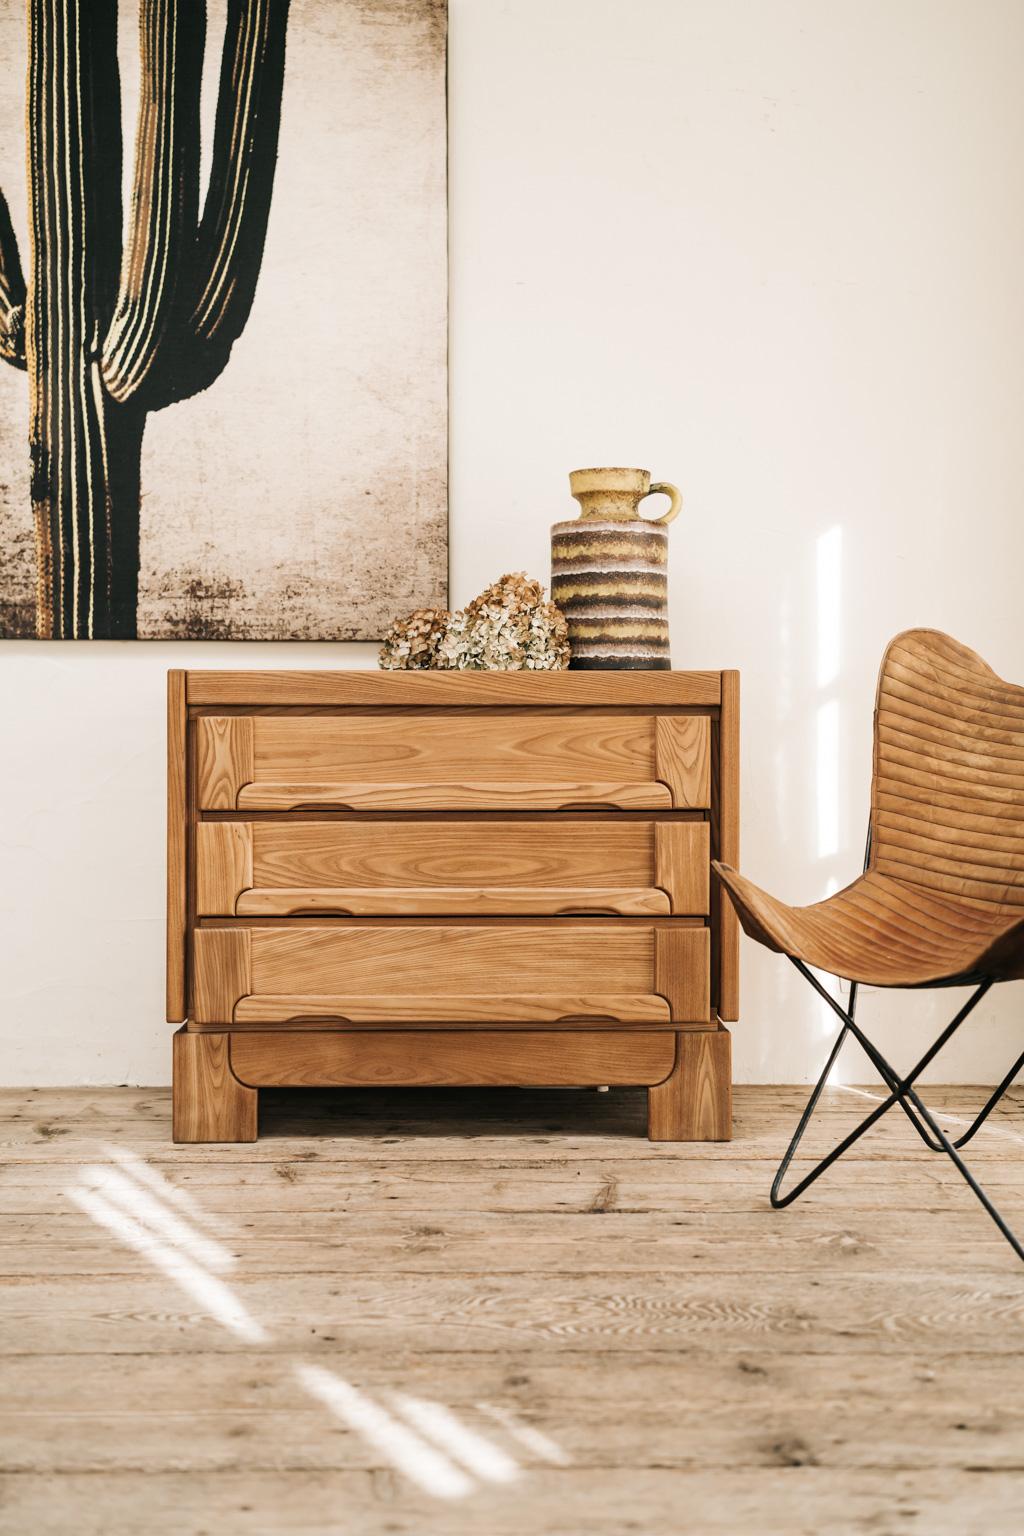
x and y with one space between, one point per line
112 324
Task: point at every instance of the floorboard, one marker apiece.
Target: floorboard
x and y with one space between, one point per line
424 1314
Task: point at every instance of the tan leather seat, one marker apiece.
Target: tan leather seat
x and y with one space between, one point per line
942 899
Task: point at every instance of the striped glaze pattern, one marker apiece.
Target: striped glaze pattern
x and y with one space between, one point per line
943 898
610 579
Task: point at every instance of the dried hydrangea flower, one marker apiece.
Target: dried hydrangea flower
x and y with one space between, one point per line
410 644
508 628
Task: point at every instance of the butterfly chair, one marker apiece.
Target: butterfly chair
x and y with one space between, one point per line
941 900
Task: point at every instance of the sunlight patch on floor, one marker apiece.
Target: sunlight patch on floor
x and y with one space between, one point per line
397 1443
475 1452
529 1436
423 1440
210 1293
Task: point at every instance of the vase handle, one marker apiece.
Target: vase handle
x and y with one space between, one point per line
663 488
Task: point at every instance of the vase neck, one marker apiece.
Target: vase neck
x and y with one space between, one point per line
614 506
614 494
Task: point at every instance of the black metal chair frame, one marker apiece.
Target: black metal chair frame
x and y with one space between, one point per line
901 1092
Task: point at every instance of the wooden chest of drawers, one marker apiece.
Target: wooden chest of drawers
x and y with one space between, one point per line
451 878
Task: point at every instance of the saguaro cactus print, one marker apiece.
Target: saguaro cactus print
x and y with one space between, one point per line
110 328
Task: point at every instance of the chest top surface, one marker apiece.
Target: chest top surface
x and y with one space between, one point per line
340 688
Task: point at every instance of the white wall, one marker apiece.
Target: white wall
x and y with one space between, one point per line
771 249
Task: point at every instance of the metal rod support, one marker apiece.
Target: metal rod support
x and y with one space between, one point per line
902 1092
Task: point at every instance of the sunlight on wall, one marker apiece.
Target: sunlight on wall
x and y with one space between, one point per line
828 778
829 560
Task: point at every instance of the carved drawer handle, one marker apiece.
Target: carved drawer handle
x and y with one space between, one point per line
588 1018
317 1018
581 911
320 805
320 912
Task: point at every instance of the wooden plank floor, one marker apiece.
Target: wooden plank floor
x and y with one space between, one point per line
504 1313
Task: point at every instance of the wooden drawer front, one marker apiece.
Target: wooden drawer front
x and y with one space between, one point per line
488 1058
423 868
453 759
388 972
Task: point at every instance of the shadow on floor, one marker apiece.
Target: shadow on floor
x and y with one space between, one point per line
462 1112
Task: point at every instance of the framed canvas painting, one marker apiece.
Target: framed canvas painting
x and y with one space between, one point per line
223 317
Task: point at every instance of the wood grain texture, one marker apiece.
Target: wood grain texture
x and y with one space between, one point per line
209 1103
221 972
429 759
479 853
346 880
683 758
590 1132
442 900
224 866
490 966
339 689
725 922
652 1497
943 898
559 1006
485 1057
694 1103
424 747
682 865
451 794
225 760
177 827
429 868
682 973
748 1372
407 959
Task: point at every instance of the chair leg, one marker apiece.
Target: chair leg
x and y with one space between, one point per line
885 1071
901 1090
981 1116
881 1065
990 1103
805 1119
970 1180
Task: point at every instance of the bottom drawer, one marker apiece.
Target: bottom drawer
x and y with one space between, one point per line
378 972
486 1058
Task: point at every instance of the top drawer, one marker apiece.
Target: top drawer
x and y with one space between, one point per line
453 760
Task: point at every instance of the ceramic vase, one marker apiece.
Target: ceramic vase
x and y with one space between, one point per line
609 572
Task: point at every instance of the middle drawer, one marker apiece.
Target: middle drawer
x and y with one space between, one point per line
627 866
